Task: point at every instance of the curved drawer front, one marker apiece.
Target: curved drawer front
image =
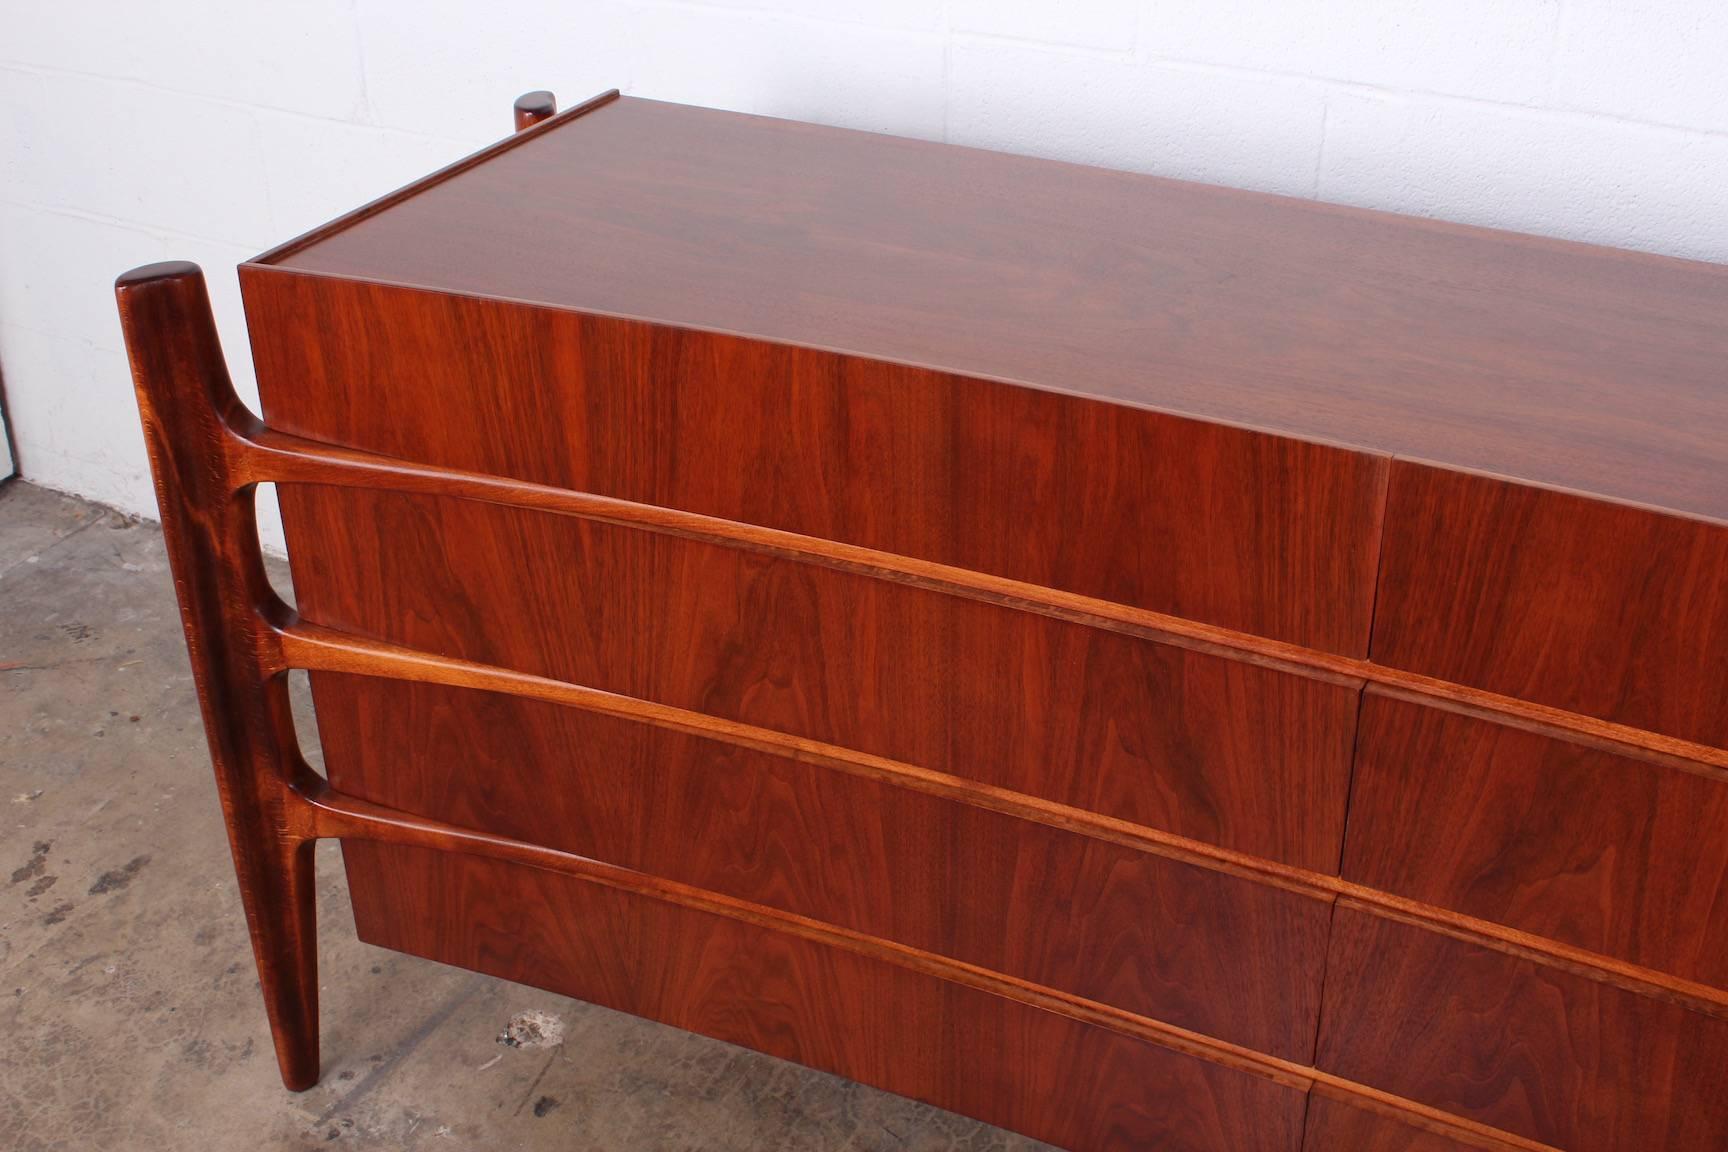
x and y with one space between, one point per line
1251 758
1215 953
1260 533
1606 610
1620 856
1075 1085
1519 1045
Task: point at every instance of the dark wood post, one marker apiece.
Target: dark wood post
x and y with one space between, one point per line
534 107
193 422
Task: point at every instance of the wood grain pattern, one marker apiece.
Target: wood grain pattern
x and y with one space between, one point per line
932 652
955 1047
1213 953
275 457
328 813
1335 1125
314 648
1509 1042
190 414
390 199
1603 609
1254 532
1559 363
1247 757
1620 856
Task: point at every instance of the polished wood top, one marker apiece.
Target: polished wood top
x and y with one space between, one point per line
1562 364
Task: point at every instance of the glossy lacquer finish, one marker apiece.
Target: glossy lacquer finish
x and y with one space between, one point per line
1526 1047
877 1022
1212 952
1619 855
1609 610
1252 758
534 108
190 415
1557 363
1253 532
1142 664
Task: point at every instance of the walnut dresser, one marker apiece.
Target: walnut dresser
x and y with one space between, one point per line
1142 664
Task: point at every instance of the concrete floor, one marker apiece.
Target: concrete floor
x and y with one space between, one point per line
129 1012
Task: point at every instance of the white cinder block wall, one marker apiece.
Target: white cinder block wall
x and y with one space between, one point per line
209 129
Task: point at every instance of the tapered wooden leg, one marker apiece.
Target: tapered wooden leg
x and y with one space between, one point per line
192 423
283 921
534 107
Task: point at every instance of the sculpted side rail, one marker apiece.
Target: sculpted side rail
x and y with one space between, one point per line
192 419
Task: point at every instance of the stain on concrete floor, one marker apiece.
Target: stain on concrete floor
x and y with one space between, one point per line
129 1009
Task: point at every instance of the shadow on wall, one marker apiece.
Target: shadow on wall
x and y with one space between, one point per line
8 450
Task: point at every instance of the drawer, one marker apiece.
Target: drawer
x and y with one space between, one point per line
1519 1045
1607 610
1076 1085
1617 855
1247 757
1241 529
1212 952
